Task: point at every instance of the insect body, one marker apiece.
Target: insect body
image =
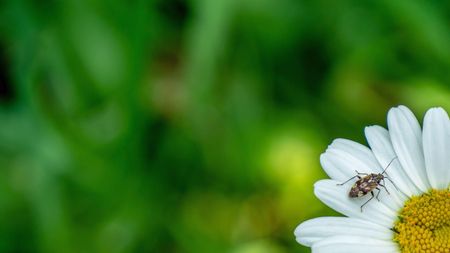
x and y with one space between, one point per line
368 183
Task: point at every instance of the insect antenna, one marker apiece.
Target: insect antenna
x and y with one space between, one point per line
391 182
384 171
387 176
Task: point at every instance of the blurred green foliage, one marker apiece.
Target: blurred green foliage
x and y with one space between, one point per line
195 126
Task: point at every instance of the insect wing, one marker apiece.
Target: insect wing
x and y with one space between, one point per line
363 186
355 192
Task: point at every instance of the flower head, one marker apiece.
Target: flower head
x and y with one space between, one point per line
410 211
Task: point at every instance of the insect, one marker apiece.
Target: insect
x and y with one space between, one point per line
369 183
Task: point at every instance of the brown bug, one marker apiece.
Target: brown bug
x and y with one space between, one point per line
369 183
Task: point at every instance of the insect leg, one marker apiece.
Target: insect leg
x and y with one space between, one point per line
367 201
382 185
391 182
348 180
385 188
359 173
378 193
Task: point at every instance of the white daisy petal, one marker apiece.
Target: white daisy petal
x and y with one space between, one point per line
314 230
344 157
334 171
336 197
412 162
354 244
406 139
436 144
378 139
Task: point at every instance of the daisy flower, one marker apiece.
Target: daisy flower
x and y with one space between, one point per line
414 217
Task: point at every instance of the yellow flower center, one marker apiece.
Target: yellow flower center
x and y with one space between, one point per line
424 224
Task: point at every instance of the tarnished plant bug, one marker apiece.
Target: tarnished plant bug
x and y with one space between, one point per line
368 183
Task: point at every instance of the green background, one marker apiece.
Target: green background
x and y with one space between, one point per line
195 126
